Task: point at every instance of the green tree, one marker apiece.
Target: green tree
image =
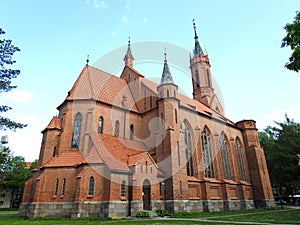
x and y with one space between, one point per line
282 149
292 39
6 75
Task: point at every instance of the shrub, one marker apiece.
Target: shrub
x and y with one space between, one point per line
162 212
143 214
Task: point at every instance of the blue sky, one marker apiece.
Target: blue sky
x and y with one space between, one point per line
242 39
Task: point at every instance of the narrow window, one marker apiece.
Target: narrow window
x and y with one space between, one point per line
100 125
225 157
208 78
178 152
151 101
117 128
239 151
146 166
180 187
188 150
123 189
131 131
54 152
56 187
76 132
63 186
168 93
207 154
176 120
197 78
91 186
145 103
161 189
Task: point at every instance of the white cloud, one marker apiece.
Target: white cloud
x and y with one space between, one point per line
145 20
100 4
19 96
125 20
127 5
114 33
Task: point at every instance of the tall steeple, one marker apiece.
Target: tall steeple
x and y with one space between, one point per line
128 58
197 50
166 77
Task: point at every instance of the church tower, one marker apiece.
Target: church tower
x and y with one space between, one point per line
201 75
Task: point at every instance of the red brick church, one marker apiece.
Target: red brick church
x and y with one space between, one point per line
124 144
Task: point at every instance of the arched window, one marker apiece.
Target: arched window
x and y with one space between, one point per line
100 125
76 132
161 189
56 187
239 151
207 154
131 131
188 150
117 128
91 186
63 186
197 79
123 189
225 157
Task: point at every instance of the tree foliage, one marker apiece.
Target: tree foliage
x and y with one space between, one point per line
292 39
282 149
7 50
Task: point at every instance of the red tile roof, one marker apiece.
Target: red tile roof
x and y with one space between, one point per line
55 123
66 158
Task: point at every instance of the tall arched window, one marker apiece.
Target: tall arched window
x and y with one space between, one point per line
91 186
131 131
225 157
56 187
117 128
239 151
207 154
123 189
188 150
100 125
76 132
63 186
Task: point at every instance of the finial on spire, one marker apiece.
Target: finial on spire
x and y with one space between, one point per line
195 30
165 53
87 60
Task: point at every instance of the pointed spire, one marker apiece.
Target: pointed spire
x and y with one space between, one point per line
197 50
128 53
166 77
128 58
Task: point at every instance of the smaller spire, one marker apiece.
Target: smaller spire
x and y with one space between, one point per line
198 50
128 53
166 77
128 58
87 60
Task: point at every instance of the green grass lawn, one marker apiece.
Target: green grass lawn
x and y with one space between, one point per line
286 216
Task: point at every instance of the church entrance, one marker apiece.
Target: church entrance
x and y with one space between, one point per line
146 195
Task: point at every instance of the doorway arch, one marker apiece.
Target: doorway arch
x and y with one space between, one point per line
146 195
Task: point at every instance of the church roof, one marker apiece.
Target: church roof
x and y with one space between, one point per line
55 123
96 84
66 158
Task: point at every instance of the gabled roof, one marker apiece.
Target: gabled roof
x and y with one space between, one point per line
96 84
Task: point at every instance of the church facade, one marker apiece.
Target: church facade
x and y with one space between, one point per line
124 144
